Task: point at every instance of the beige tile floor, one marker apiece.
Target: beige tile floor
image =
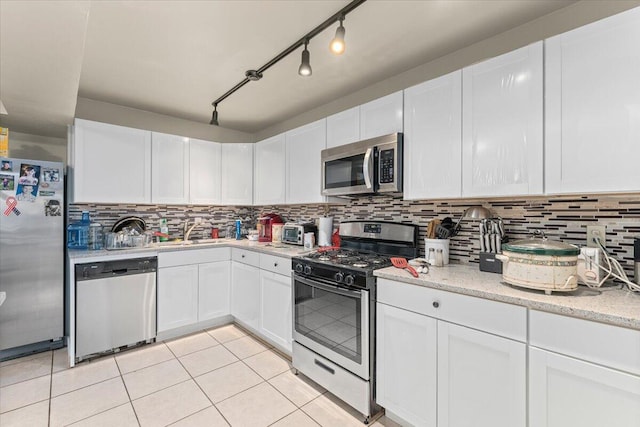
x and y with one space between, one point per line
218 377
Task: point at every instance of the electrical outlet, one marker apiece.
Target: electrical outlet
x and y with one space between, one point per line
596 232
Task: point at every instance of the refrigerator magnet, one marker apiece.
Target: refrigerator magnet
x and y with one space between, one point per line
7 166
28 182
52 208
7 182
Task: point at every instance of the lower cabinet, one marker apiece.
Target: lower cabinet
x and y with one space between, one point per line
193 286
177 296
564 391
214 293
406 364
275 308
432 372
245 294
481 378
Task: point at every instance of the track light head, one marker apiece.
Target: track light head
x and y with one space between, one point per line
337 44
214 116
305 65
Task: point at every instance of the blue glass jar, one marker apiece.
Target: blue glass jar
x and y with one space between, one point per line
78 233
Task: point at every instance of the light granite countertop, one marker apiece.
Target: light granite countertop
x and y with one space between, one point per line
278 249
608 305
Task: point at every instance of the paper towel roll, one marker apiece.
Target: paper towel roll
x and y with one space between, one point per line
325 229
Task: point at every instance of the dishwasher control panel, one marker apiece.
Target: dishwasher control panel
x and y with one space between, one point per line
122 267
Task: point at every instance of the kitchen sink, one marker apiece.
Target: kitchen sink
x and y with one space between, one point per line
180 242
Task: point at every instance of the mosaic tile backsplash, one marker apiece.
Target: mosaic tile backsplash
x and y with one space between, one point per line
561 218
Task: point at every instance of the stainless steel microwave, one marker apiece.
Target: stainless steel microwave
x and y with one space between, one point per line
365 167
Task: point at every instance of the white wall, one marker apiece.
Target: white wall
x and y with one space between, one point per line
36 147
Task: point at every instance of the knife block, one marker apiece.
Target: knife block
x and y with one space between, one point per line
489 263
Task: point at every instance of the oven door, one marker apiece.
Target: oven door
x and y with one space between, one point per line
348 172
334 322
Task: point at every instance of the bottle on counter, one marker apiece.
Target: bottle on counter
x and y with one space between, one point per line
164 229
238 229
78 233
96 237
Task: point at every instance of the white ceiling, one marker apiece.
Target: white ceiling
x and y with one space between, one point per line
176 57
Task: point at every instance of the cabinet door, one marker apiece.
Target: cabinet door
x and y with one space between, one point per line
214 284
177 297
169 169
304 173
343 128
568 392
204 172
406 364
381 116
269 173
502 125
592 89
245 294
111 164
433 138
275 312
481 379
237 174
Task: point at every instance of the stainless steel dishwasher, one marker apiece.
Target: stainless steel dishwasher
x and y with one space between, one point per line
115 305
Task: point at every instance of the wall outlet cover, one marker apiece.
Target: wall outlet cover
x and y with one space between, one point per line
596 232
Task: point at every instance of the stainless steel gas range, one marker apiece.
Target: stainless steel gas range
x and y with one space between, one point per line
334 315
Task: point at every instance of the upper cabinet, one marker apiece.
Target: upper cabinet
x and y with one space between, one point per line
109 164
381 116
237 174
304 175
433 138
592 106
343 128
169 169
502 125
269 171
204 172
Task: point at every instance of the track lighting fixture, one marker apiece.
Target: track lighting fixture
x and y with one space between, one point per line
214 116
337 44
305 65
337 47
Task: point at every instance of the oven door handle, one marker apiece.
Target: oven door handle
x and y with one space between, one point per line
333 289
368 168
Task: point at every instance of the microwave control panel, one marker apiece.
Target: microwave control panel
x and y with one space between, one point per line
386 160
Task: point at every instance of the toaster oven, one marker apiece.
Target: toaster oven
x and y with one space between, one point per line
294 233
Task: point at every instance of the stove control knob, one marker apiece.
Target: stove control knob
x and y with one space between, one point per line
349 280
307 269
299 268
338 277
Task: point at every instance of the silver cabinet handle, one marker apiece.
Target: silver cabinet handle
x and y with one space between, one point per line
436 304
275 264
242 255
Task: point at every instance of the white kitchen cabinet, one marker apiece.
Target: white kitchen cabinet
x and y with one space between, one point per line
592 108
270 171
449 360
214 290
406 359
564 391
502 125
433 138
109 164
237 174
304 173
245 294
204 172
275 308
169 169
177 297
343 127
381 116
481 379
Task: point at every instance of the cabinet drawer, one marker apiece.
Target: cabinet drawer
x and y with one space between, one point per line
607 345
193 256
490 316
246 257
275 264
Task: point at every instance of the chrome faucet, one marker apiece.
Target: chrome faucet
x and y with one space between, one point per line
186 230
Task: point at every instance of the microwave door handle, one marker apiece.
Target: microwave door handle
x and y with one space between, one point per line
368 168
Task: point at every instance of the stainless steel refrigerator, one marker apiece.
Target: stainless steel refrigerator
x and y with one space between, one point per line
31 254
